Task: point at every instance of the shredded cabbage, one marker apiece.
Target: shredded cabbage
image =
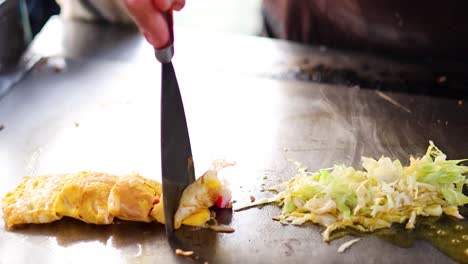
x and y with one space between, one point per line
385 192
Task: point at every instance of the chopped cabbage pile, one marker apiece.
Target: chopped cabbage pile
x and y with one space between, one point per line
384 193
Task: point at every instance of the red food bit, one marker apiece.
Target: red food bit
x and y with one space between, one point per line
156 201
219 201
223 199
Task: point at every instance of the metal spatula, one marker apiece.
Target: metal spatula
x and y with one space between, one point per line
176 153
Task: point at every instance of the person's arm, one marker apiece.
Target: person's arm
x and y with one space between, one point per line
111 11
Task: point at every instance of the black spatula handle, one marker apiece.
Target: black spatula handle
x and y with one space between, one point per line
165 54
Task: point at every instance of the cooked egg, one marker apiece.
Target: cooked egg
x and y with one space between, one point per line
98 198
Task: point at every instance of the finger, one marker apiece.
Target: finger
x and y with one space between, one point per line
178 5
163 5
156 30
151 22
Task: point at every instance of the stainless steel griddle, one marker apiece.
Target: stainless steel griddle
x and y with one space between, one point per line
91 106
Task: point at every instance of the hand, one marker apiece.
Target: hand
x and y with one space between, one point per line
147 14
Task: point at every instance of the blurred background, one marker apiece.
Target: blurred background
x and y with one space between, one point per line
429 34
416 29
233 16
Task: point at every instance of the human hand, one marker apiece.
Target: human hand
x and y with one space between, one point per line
148 15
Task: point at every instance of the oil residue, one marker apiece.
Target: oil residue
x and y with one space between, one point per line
447 234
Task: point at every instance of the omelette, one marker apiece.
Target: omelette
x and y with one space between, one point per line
99 198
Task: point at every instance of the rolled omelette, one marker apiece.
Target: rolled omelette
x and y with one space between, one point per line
99 198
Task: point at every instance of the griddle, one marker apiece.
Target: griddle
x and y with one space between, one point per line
92 108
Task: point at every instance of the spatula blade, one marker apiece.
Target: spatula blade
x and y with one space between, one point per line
176 153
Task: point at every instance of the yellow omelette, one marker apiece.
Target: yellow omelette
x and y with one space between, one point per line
98 198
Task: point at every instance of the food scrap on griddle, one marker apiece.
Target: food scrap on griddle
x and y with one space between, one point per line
183 253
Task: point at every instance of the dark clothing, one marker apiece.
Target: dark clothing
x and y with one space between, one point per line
416 27
39 12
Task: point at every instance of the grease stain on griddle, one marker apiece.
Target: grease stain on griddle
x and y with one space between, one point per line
289 246
447 234
424 81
